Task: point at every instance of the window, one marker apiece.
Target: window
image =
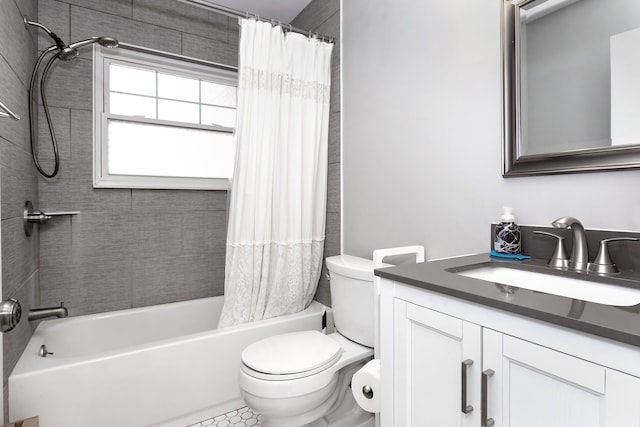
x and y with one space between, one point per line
161 122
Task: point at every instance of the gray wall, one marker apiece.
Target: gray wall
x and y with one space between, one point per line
323 16
127 248
18 178
422 135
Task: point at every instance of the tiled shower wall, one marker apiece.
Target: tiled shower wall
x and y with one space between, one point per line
130 248
18 178
126 248
323 16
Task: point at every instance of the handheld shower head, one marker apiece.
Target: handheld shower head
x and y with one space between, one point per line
71 51
108 42
50 33
68 53
62 52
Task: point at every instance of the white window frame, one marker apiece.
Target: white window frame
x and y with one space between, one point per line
188 67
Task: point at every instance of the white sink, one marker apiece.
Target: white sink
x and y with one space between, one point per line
601 293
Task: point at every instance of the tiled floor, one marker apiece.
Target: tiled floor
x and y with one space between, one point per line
243 417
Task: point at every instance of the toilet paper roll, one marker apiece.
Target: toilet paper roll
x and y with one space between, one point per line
365 386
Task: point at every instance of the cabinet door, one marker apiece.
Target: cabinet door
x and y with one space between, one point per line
431 380
536 386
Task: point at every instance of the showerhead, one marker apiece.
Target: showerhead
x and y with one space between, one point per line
108 42
68 53
71 51
63 52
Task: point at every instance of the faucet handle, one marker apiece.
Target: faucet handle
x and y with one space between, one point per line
603 264
559 257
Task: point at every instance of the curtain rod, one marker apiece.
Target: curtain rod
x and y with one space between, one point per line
206 4
170 55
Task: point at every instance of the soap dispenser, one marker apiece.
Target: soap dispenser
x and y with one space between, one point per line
507 234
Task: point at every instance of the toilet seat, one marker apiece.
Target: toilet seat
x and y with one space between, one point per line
256 383
290 356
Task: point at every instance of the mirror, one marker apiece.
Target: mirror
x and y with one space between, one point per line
571 76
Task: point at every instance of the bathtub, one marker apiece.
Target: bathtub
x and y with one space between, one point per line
164 365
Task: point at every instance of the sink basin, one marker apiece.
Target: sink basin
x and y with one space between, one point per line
601 293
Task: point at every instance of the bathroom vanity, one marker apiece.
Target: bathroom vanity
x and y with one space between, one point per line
459 351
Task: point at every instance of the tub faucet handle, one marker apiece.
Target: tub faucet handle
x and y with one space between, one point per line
10 314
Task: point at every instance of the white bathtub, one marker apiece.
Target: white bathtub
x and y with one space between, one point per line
164 365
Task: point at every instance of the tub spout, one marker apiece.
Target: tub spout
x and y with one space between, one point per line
43 313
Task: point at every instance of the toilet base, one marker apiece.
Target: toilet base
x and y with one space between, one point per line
340 410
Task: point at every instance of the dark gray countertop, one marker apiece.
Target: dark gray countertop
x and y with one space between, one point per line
616 323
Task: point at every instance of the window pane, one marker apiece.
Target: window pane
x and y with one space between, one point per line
218 116
217 94
154 150
178 111
132 105
132 80
180 88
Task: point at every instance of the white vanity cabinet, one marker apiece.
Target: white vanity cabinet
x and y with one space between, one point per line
437 351
430 387
533 385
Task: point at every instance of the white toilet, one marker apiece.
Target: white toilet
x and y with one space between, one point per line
302 378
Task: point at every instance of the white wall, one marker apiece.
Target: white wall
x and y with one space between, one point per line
422 135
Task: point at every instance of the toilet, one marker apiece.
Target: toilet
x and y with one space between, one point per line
302 378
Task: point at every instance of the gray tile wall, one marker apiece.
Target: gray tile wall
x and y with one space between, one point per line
17 175
323 16
127 248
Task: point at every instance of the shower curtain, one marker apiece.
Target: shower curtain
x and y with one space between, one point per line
276 224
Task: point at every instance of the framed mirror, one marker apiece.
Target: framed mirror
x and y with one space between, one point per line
571 86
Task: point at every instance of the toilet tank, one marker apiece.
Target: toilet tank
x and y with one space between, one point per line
352 297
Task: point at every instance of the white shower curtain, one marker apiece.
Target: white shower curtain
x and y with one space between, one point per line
276 225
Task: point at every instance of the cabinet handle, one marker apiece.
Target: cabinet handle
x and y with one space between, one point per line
485 422
466 409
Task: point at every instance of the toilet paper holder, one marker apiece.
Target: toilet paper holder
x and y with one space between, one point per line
365 384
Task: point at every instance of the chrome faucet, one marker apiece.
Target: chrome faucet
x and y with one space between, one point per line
579 252
43 313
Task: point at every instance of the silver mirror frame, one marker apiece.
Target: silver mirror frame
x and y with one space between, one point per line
513 163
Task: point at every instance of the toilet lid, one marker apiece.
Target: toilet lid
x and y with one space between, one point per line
292 353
